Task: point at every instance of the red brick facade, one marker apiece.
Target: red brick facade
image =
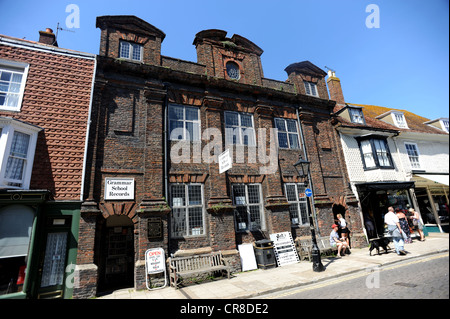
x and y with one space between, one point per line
57 99
128 139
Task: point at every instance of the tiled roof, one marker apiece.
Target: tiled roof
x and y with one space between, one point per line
56 98
414 121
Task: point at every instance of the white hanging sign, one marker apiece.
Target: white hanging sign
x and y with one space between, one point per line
225 162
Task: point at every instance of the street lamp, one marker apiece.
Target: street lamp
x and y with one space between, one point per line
302 166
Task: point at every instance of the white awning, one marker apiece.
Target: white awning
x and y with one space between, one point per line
440 179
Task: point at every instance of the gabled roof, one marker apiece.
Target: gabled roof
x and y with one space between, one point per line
129 23
220 36
305 67
371 112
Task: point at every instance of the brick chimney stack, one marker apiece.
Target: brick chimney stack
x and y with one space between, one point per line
48 37
335 89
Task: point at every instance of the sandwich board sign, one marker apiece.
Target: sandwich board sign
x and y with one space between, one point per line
155 263
284 248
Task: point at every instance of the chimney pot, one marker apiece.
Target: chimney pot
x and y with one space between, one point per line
48 37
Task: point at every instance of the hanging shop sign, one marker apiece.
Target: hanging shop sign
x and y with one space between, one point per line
119 188
284 248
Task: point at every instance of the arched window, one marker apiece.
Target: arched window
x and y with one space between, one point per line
233 70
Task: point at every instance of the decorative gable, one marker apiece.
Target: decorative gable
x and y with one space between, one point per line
235 58
115 30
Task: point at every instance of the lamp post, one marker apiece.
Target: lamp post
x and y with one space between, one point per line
302 166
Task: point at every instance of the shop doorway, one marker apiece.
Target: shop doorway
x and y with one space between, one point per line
116 254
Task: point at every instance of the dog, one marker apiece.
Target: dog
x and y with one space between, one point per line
376 243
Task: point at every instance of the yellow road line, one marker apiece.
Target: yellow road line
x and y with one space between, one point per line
355 276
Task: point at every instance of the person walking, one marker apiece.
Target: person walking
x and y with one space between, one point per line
395 231
417 223
405 226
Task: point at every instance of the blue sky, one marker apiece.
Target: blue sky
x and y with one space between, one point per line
403 64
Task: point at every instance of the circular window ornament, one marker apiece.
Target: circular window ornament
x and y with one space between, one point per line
233 70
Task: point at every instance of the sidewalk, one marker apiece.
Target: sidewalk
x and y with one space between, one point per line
255 283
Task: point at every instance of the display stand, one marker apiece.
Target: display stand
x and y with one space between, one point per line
155 263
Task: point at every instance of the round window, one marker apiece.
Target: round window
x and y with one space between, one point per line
233 70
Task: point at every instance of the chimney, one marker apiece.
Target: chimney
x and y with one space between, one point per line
334 86
48 37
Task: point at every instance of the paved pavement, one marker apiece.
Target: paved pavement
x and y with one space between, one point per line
258 282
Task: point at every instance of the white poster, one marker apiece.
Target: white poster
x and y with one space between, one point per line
284 248
248 260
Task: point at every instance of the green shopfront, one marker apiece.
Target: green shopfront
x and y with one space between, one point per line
38 245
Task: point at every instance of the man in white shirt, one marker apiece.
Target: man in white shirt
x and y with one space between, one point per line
395 231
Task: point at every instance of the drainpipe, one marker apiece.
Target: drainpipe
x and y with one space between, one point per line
87 130
166 164
309 174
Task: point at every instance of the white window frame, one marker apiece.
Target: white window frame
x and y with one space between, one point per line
287 133
356 116
8 127
232 129
399 119
249 226
414 159
445 125
300 203
184 134
311 88
131 48
15 67
188 231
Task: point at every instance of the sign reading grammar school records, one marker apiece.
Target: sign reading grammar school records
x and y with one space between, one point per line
119 188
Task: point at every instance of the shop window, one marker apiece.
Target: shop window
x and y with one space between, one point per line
184 123
298 209
287 133
239 129
187 210
17 148
249 210
375 153
16 223
12 84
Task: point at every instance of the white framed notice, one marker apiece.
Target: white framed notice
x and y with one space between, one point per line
119 188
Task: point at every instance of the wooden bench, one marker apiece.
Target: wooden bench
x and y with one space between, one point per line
324 245
304 247
180 267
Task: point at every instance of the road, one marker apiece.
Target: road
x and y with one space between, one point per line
423 278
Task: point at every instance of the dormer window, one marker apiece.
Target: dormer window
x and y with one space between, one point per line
356 116
445 125
130 51
311 88
399 120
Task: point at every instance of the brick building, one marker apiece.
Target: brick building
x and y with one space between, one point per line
158 124
45 98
